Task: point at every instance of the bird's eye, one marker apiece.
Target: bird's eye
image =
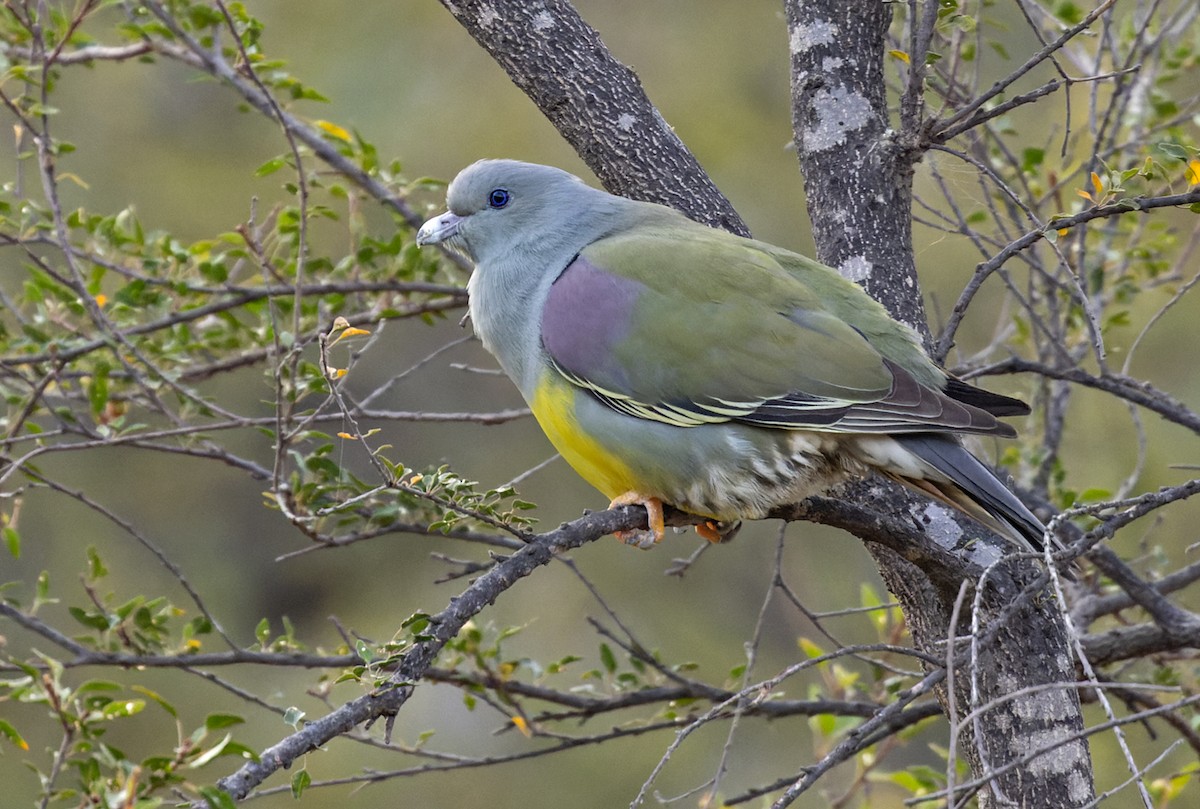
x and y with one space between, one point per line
498 198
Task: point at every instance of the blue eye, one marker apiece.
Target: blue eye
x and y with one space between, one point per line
498 198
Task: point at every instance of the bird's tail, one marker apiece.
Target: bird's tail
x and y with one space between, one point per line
973 489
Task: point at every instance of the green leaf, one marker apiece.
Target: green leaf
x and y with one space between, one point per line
1173 150
98 685
216 721
96 568
97 388
12 541
1069 12
10 733
123 707
153 695
262 632
209 754
90 620
293 717
417 622
607 658
216 798
810 649
300 781
270 167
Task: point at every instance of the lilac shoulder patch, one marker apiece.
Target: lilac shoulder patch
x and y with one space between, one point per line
586 316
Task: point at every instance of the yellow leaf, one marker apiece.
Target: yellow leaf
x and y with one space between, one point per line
101 299
337 373
415 479
1193 173
1063 231
347 436
901 55
330 128
1084 194
522 726
348 331
1096 184
75 178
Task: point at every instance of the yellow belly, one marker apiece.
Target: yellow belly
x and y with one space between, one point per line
553 406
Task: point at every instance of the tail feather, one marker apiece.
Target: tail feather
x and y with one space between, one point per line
973 489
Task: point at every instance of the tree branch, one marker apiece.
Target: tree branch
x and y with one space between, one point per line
596 103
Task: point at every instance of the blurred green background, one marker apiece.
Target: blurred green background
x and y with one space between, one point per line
403 73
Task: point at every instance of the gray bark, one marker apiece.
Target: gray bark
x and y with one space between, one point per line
596 103
858 179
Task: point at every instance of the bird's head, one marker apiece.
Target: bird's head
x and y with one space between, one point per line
500 208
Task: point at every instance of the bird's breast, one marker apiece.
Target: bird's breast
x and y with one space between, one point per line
554 406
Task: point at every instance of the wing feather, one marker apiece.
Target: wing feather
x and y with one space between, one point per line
729 335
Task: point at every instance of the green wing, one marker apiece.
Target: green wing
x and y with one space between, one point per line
689 326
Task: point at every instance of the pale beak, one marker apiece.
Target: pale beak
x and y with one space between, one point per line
440 228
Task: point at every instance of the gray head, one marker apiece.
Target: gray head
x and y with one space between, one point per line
498 207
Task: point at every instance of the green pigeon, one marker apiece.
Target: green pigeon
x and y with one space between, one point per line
671 363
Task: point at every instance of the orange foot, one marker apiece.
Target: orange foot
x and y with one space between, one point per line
709 530
642 538
717 531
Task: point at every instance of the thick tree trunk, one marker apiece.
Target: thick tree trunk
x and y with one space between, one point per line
595 102
858 179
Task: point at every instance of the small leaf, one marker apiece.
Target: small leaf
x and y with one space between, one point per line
216 798
210 754
901 55
216 721
300 782
293 717
349 332
96 568
341 133
810 649
270 167
166 706
12 540
1174 150
9 732
1193 173
127 707
607 658
522 726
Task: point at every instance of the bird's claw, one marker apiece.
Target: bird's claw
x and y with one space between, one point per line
642 537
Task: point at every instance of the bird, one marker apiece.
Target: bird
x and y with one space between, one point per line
673 364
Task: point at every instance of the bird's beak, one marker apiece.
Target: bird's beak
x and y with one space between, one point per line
440 228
